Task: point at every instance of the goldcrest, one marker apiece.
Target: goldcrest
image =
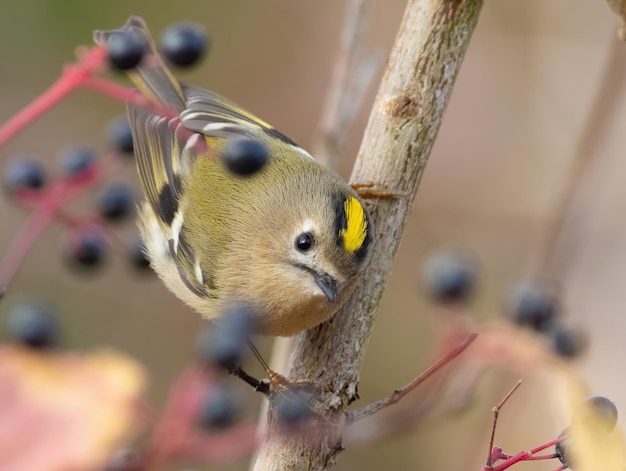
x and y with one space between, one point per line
290 239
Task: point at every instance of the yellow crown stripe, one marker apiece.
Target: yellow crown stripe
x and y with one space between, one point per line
356 225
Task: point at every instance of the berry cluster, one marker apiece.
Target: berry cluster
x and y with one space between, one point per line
450 280
182 45
535 305
81 170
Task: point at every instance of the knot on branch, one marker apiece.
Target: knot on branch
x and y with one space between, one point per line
402 107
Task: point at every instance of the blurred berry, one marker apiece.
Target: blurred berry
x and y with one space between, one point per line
125 459
562 449
86 249
125 50
138 256
24 173
224 343
183 44
569 342
120 135
534 305
116 202
77 160
598 410
33 324
219 408
292 406
449 277
245 157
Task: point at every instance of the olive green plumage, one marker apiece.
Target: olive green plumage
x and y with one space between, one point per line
217 238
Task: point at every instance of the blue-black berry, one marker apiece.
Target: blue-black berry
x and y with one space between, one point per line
86 249
563 448
219 408
291 406
77 160
138 256
245 157
24 173
120 135
184 44
535 305
597 410
33 324
125 50
225 342
450 277
569 342
116 202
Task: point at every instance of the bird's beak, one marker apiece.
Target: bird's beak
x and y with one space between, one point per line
327 284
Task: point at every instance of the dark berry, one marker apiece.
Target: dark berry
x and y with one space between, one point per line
120 135
33 324
125 459
86 249
219 408
450 277
24 173
292 406
599 411
184 44
245 156
77 160
563 448
225 342
569 342
138 256
534 305
116 202
125 50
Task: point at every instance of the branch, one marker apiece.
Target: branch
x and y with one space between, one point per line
560 245
343 96
403 125
399 394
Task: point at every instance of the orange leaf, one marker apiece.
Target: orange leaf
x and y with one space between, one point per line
64 411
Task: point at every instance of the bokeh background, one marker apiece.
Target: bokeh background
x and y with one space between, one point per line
523 100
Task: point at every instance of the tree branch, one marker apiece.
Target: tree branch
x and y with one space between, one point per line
339 109
403 125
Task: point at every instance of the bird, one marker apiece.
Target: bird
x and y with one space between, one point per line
289 239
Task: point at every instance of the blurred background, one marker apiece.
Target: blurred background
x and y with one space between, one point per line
532 86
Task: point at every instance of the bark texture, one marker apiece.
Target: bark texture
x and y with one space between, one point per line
402 128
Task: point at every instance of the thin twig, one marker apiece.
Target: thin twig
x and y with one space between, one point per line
71 78
557 248
496 413
398 394
335 117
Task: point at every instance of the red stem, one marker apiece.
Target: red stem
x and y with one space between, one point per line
71 78
527 456
546 445
25 238
114 90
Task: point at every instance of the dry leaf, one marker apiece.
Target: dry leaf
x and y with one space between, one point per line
64 411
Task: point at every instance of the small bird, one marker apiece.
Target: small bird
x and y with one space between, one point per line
289 238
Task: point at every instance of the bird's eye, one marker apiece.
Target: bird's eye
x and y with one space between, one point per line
304 241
